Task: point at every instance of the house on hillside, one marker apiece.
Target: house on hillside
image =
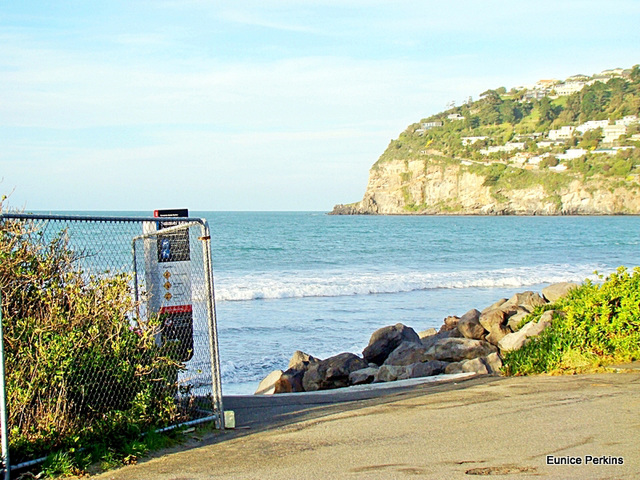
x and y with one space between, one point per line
571 154
434 124
545 143
612 132
628 120
455 116
569 88
563 133
592 125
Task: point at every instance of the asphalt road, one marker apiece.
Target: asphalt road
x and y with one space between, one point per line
513 427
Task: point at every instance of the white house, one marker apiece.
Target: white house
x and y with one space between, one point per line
628 120
545 143
613 132
607 151
455 116
558 168
592 125
428 125
571 154
569 88
561 134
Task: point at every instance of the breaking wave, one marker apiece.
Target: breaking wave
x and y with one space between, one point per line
340 283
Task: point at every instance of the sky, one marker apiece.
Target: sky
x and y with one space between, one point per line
259 105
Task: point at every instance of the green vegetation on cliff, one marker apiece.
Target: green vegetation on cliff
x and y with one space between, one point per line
515 129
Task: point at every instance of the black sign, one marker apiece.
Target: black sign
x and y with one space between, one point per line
172 247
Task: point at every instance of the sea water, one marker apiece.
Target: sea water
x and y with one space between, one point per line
323 284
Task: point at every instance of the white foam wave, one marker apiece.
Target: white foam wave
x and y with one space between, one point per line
341 283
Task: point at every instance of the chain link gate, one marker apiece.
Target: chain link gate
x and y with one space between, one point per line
120 323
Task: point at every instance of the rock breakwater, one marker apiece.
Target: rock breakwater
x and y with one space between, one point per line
474 342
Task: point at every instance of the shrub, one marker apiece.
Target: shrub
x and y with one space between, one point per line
600 325
80 367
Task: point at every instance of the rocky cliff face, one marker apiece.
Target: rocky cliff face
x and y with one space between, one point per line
436 187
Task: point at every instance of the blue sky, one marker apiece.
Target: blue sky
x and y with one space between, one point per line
259 105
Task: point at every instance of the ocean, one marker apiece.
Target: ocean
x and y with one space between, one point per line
323 284
287 281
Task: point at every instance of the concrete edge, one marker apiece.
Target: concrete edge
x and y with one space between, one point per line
410 382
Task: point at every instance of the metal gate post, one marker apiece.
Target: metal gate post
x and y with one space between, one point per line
3 406
216 384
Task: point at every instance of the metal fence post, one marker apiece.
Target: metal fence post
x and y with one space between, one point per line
3 405
216 384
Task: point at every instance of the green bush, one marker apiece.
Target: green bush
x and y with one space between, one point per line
600 325
80 368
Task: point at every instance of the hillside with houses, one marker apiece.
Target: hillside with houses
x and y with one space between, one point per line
556 147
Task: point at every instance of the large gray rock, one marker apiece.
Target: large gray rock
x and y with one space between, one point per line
450 323
290 381
453 367
492 319
475 365
301 360
497 334
496 305
427 333
390 373
517 340
430 341
332 372
493 363
426 369
457 349
527 300
556 291
363 376
516 319
385 340
469 325
406 354
268 384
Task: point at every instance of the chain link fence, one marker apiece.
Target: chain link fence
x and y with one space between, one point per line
109 327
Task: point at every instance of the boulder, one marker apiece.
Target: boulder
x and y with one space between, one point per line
428 342
450 323
385 340
268 385
427 333
456 349
556 291
497 334
492 319
406 354
514 320
475 365
495 306
469 325
290 381
493 363
426 369
527 300
332 372
472 314
301 360
453 367
517 340
363 376
390 373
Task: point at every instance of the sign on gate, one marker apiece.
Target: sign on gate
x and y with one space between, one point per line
168 274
